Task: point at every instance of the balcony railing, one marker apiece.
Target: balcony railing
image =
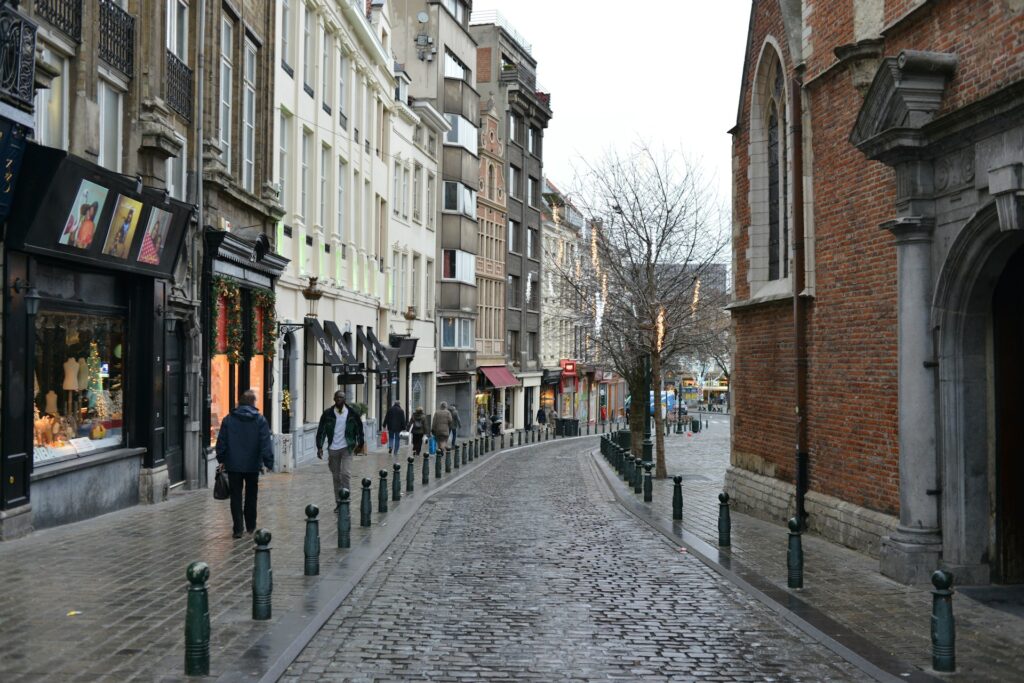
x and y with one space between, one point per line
117 37
65 15
518 72
179 86
17 57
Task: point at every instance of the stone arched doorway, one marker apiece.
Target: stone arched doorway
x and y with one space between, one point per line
979 325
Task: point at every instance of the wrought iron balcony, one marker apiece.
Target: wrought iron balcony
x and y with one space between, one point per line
64 15
179 86
117 37
17 58
519 73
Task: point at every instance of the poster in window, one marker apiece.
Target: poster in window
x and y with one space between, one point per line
156 237
80 225
122 227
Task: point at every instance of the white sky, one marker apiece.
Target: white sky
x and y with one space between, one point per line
664 71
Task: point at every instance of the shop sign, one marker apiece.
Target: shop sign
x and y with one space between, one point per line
72 209
12 148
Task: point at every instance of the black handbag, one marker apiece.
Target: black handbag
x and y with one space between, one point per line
221 485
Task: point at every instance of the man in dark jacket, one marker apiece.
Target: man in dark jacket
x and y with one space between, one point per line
394 421
341 428
245 450
456 423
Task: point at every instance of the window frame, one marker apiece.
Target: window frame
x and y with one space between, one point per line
465 199
250 58
227 28
458 266
105 85
177 36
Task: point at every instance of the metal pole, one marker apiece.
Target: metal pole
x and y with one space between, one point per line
648 445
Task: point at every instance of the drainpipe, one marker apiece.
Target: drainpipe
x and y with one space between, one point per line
799 303
198 279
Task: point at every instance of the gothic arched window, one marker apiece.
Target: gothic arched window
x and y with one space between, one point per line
778 224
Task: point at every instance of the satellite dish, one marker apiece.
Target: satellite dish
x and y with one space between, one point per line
422 17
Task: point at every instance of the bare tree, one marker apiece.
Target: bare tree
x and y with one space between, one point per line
655 232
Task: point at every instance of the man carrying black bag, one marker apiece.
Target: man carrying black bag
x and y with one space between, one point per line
244 449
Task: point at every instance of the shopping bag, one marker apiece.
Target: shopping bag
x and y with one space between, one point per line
221 485
383 438
432 446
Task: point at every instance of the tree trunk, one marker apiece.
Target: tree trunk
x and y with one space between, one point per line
660 471
636 421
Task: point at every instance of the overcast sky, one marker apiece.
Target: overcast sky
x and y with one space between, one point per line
666 71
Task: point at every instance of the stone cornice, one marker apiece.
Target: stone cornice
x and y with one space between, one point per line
911 229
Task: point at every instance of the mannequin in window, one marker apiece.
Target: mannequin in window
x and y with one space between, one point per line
70 375
51 403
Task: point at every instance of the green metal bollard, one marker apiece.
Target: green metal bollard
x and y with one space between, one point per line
464 452
365 505
344 520
311 547
677 497
943 625
262 577
438 465
457 456
426 469
396 482
382 492
724 521
795 556
447 460
638 475
197 621
502 441
648 482
627 470
410 474
490 446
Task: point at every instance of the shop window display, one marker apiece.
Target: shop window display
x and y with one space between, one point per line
78 385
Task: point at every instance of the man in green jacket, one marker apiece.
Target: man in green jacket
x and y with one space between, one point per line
342 430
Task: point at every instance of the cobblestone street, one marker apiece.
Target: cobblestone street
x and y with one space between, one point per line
528 570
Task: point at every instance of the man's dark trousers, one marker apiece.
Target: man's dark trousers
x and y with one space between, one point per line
251 480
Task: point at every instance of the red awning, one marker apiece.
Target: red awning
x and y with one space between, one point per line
499 376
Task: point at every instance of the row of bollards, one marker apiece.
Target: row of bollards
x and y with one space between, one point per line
197 614
615 449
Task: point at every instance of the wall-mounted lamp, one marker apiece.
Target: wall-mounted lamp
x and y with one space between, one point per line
32 298
138 184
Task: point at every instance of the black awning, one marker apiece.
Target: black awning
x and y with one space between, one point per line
376 350
407 347
331 358
392 356
339 343
551 377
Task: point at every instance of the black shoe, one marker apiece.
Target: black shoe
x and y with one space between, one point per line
236 534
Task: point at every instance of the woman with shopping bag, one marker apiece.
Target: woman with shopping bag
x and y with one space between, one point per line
418 428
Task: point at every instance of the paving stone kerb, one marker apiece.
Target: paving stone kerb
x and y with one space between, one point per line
844 584
105 598
531 571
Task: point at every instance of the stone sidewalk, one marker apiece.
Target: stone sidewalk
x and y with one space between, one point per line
104 599
840 583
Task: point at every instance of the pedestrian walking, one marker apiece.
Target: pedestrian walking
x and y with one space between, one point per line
456 422
341 430
418 426
245 450
482 423
394 421
441 426
542 418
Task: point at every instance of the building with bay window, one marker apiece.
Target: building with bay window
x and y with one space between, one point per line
334 105
432 41
507 73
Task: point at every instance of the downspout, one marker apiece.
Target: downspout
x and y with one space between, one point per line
200 281
799 303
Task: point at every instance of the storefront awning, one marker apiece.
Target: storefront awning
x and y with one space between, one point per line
499 376
407 347
330 357
376 349
552 377
339 342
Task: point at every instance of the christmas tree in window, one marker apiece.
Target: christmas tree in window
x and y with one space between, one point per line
98 404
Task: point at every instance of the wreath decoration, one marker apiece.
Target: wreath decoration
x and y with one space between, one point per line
226 288
264 300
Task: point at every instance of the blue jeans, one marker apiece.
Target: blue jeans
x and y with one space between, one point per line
394 442
452 436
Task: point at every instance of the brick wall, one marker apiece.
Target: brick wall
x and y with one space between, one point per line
483 65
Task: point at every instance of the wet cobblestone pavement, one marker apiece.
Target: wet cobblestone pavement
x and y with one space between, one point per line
529 570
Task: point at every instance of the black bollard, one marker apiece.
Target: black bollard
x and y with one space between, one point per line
365 505
638 475
382 492
311 547
438 465
262 577
943 626
410 474
795 556
627 470
447 460
648 482
344 520
502 441
457 456
197 621
677 497
396 482
426 469
724 521
464 452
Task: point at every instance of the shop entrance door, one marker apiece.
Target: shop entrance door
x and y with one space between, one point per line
174 384
1008 334
528 407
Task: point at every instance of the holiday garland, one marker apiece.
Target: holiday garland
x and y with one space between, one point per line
228 290
264 299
